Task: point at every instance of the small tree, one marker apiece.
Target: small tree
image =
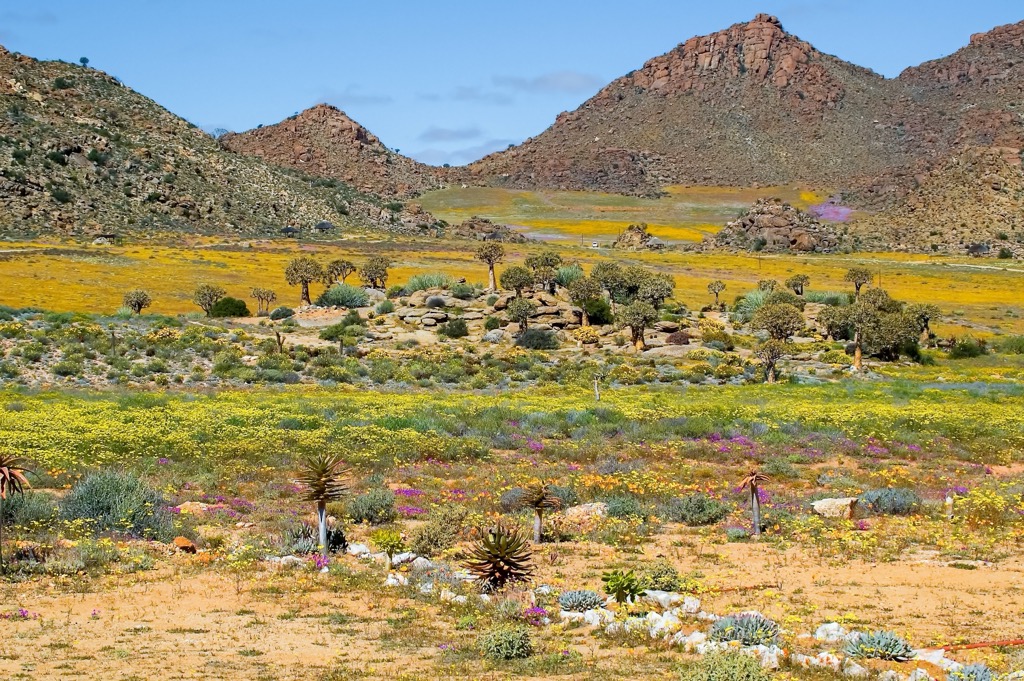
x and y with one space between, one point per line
637 316
834 322
491 253
863 320
137 300
549 259
923 314
858 276
520 310
767 285
264 298
539 498
322 476
84 61
753 483
517 278
655 289
770 352
583 291
303 271
715 288
780 321
374 272
207 295
797 283
547 277
338 270
12 481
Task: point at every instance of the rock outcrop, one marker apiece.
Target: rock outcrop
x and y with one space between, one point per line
637 238
485 230
772 225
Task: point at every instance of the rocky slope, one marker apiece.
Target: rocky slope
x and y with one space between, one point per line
772 225
748 105
80 152
324 141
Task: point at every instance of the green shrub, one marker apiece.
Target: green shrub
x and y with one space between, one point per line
230 307
972 672
724 667
343 295
890 501
32 510
660 576
536 339
434 303
61 195
281 313
580 600
385 307
506 642
1011 345
695 509
1005 253
116 501
455 328
625 506
463 291
879 645
376 507
624 587
749 629
567 274
966 348
835 357
599 311
422 282
492 323
441 531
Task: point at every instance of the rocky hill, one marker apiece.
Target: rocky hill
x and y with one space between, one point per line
772 225
324 141
748 105
80 152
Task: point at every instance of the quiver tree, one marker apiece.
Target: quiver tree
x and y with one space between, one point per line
923 314
538 498
303 271
752 484
858 276
490 253
374 272
611 278
520 310
780 321
517 278
338 270
637 316
715 288
770 352
137 300
797 283
12 481
207 295
322 475
655 289
264 297
582 292
767 285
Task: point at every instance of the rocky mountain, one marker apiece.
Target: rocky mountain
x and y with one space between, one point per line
80 152
324 141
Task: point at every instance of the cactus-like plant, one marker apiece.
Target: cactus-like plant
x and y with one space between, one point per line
624 587
971 672
12 481
321 476
750 629
881 645
502 556
580 600
539 498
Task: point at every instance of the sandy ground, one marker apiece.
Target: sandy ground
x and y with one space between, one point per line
182 621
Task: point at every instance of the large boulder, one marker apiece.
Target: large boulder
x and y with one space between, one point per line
835 508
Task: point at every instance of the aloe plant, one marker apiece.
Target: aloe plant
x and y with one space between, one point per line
321 474
12 481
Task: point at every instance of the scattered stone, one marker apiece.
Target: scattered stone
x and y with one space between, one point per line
831 632
421 563
396 580
402 558
291 561
184 545
835 508
358 550
494 336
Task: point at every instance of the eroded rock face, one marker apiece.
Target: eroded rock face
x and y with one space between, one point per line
772 225
485 230
637 238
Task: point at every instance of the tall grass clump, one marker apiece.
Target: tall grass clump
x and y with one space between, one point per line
750 303
343 295
428 280
116 501
835 298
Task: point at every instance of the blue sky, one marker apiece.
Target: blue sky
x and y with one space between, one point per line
442 81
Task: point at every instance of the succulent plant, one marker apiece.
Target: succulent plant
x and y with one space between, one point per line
539 498
321 475
507 642
882 645
971 672
502 556
622 586
750 629
580 600
389 541
303 539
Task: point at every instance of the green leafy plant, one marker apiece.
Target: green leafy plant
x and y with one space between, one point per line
890 501
506 642
117 501
304 539
729 666
580 600
281 313
972 672
660 576
321 475
750 629
501 556
343 295
624 587
537 339
230 307
12 481
456 328
389 541
441 531
376 507
881 645
695 510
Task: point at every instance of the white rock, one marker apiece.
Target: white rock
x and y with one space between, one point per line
377 557
769 657
446 595
690 642
711 647
422 563
396 580
598 617
569 616
835 508
460 599
919 675
854 670
485 598
402 558
635 625
542 590
708 616
937 658
426 587
830 632
666 599
690 606
827 660
890 675
291 561
358 550
324 570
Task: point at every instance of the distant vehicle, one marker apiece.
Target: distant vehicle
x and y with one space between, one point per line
593 244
